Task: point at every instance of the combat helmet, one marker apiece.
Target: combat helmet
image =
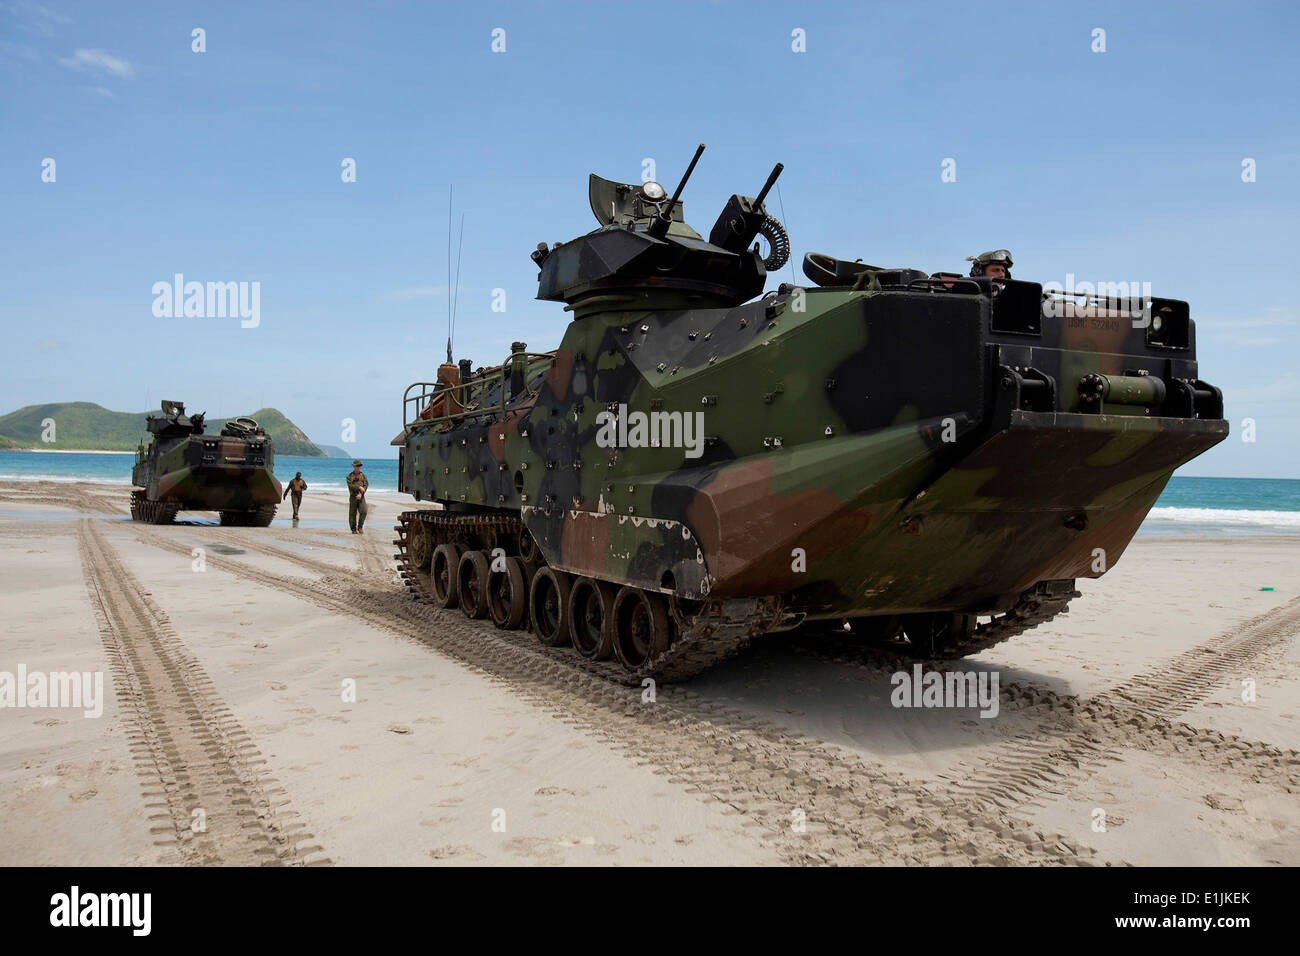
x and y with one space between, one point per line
997 256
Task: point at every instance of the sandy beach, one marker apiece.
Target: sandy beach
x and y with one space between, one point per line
273 695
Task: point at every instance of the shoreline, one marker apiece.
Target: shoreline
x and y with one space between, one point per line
1166 532
100 451
67 451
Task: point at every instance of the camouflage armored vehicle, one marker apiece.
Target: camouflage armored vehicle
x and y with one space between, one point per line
184 468
930 461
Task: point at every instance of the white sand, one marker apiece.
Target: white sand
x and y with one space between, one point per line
414 770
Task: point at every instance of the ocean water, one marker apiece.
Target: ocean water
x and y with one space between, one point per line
1226 506
321 474
1188 505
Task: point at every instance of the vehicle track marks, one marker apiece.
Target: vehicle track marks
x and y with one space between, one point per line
187 745
856 811
1101 726
370 559
1138 714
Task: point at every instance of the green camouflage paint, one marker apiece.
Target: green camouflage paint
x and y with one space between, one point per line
185 469
885 443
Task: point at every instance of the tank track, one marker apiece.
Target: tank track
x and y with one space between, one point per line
700 640
259 517
152 512
1036 606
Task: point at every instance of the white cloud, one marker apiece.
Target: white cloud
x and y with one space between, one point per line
12 53
35 18
98 60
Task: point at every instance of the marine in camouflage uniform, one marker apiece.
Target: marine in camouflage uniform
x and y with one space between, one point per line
296 487
357 485
995 264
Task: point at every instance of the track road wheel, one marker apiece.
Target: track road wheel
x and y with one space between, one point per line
548 606
591 618
471 584
446 558
419 547
640 627
529 553
937 635
507 595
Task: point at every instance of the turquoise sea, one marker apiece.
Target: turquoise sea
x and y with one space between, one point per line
1188 505
322 474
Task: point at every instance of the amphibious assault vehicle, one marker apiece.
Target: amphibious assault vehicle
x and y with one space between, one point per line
184 468
927 460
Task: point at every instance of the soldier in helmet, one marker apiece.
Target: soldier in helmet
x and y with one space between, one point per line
357 485
993 265
296 487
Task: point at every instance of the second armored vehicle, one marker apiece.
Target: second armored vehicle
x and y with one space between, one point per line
184 468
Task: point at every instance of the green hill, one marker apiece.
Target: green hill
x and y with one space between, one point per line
289 438
90 427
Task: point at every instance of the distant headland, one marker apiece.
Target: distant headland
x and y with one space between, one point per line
87 427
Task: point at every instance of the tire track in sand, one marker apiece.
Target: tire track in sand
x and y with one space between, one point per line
188 747
1099 727
369 557
856 812
1138 714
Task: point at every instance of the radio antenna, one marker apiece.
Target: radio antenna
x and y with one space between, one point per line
449 198
793 279
460 248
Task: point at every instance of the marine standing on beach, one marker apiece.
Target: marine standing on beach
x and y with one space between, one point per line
357 485
296 487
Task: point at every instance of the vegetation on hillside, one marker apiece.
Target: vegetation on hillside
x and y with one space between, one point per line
90 427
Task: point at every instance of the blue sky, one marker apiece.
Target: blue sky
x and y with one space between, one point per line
225 166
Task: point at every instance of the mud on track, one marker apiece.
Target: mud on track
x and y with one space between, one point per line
188 748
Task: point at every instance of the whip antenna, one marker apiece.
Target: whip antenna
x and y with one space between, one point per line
460 247
793 280
449 198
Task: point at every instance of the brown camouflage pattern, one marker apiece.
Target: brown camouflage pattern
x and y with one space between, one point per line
875 450
204 472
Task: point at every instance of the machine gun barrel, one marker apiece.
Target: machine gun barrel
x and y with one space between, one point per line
776 171
659 228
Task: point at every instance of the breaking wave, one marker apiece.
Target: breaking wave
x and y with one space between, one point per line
1229 517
